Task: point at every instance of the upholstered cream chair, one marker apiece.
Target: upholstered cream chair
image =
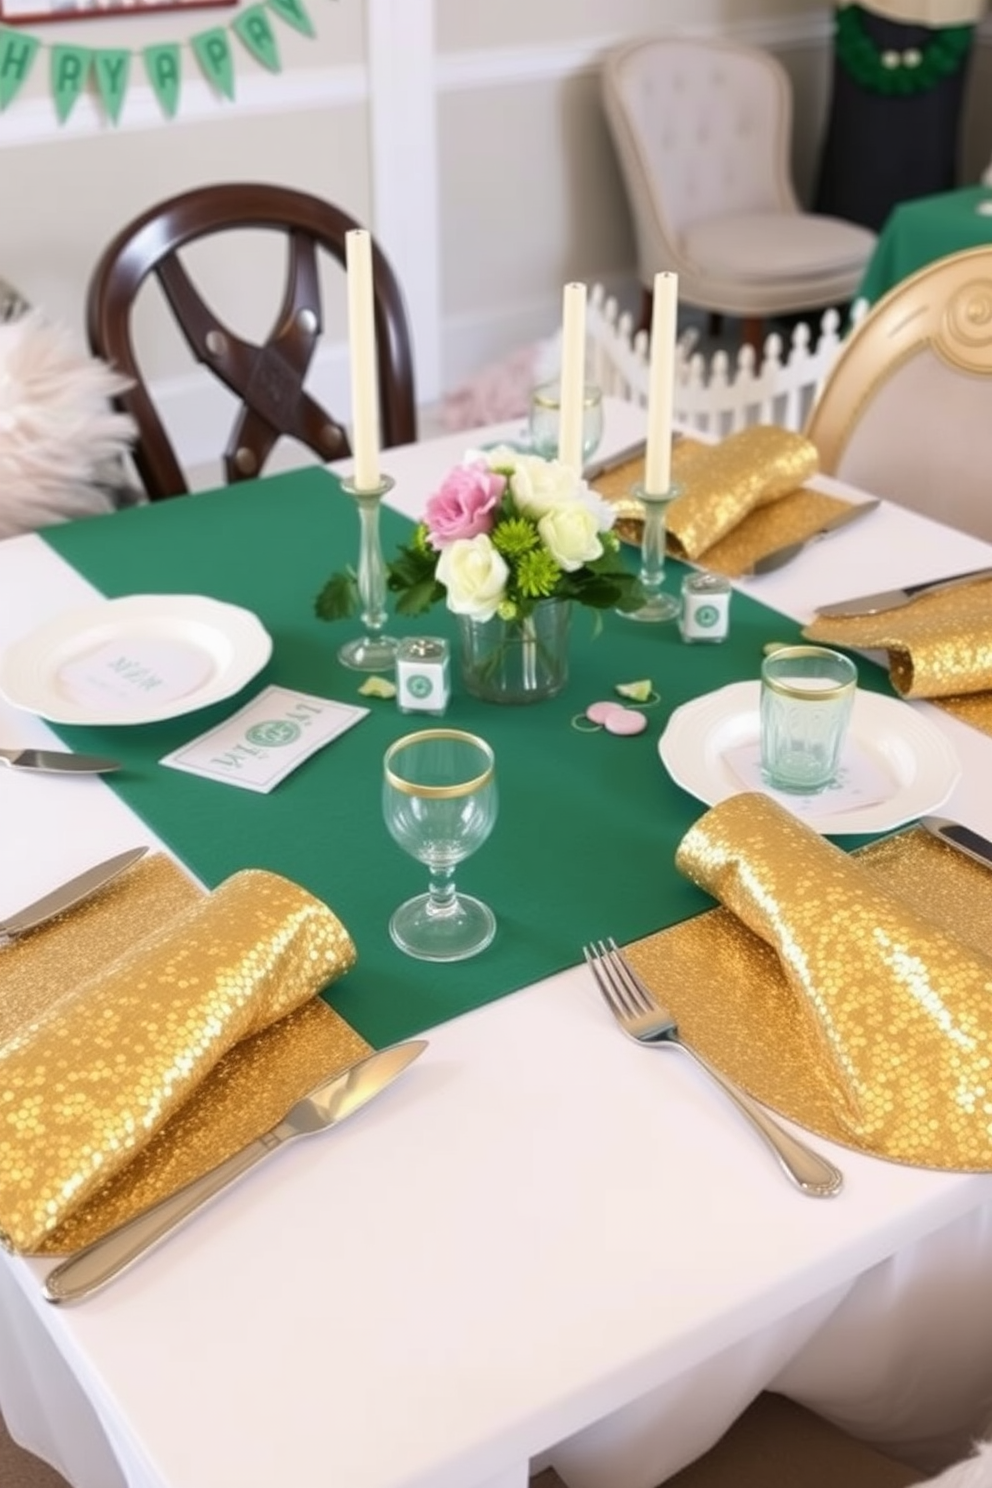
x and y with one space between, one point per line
906 409
702 130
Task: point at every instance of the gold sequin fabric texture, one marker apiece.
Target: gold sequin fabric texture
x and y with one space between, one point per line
852 993
100 1064
724 482
939 647
722 492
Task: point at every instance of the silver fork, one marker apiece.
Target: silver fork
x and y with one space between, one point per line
643 1019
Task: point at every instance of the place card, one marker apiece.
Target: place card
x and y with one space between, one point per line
266 739
859 782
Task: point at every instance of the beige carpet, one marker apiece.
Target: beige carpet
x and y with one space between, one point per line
20 1469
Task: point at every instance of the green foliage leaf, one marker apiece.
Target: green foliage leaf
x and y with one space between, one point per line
339 597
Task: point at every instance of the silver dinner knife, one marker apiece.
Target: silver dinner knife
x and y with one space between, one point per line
962 838
780 556
57 761
894 599
598 468
68 894
323 1108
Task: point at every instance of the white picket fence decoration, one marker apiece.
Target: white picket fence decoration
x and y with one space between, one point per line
716 396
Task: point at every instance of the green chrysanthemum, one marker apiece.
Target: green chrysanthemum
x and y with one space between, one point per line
514 536
537 574
507 609
419 542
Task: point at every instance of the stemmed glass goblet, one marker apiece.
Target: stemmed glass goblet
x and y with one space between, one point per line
439 804
545 418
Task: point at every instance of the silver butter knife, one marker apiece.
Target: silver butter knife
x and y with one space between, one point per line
68 894
894 599
598 468
57 761
780 556
323 1108
962 838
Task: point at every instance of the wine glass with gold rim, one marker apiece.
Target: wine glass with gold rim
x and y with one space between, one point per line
439 803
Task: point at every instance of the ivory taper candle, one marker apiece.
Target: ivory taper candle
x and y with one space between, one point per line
573 375
661 385
361 345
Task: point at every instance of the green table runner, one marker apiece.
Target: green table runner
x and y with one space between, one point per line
588 823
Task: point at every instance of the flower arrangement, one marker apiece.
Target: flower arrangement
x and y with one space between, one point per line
503 532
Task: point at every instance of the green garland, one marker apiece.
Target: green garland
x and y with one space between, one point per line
915 70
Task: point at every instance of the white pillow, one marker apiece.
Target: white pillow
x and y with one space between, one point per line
57 430
973 1472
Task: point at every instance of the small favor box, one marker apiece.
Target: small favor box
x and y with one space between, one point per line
705 607
422 675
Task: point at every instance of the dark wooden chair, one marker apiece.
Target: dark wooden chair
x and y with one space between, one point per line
268 379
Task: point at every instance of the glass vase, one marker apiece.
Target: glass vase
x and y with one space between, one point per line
516 661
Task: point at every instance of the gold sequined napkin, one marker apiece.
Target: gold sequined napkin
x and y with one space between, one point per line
940 647
741 499
133 1059
722 483
852 993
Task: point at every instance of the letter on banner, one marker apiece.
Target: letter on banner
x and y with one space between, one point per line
163 71
17 52
293 12
70 66
213 52
112 69
255 30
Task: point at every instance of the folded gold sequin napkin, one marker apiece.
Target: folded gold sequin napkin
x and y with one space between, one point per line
104 1056
740 499
834 989
939 647
722 483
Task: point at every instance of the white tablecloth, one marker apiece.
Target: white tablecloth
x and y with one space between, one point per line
542 1245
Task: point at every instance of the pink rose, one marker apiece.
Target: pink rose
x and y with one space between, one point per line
464 505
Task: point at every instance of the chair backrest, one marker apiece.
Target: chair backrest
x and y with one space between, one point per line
702 129
267 379
906 411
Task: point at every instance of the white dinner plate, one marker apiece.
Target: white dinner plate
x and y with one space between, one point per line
909 750
134 660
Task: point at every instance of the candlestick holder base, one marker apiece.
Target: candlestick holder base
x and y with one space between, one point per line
658 605
373 651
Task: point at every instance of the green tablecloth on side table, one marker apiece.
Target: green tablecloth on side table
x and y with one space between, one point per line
918 232
588 823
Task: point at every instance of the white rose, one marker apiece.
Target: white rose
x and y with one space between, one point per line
604 512
474 575
538 485
570 533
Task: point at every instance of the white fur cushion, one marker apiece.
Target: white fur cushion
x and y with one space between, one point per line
973 1472
57 431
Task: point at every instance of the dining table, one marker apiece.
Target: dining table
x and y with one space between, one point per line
544 1245
918 232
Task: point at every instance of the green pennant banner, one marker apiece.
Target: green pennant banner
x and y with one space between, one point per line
294 14
69 71
213 52
255 30
163 70
112 68
17 53
69 66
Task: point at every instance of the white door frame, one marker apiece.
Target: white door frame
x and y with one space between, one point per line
402 103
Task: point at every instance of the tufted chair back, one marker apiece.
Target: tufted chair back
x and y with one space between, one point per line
715 123
702 129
